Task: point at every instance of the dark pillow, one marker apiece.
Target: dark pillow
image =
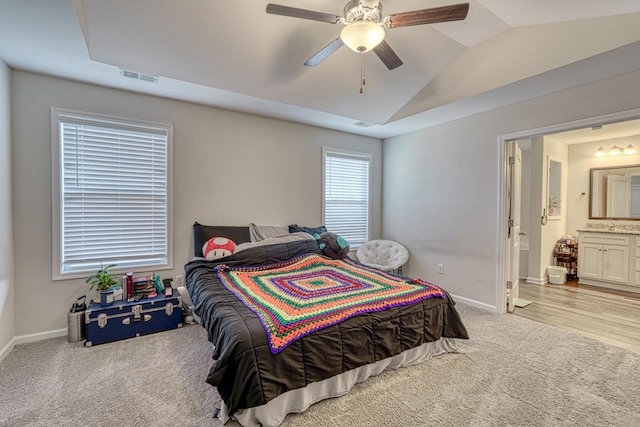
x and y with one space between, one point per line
294 228
202 233
332 245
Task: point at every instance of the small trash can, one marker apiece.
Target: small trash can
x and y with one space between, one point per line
557 275
75 320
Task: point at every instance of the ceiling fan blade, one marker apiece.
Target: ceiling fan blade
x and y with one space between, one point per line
454 12
387 55
324 53
294 12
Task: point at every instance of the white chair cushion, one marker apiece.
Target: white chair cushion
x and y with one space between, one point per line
385 255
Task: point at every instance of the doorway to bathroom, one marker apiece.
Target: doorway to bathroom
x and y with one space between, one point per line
555 195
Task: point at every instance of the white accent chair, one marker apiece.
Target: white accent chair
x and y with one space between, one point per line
385 255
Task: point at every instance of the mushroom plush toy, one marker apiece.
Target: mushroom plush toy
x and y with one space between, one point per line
218 247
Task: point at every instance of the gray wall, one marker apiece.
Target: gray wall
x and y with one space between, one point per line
441 184
7 317
229 169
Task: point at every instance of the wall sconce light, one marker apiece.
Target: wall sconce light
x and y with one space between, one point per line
615 151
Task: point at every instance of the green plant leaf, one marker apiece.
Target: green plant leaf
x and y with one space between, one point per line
102 280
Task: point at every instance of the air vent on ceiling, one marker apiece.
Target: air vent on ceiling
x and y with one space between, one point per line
138 76
363 124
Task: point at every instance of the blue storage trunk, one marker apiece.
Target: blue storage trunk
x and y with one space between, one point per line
126 319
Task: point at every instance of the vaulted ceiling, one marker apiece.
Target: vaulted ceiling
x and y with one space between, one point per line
232 54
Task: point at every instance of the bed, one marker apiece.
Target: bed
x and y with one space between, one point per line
260 380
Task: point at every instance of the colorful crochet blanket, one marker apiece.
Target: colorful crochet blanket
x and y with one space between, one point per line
294 298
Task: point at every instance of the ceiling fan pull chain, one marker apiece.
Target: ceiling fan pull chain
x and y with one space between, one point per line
363 81
364 70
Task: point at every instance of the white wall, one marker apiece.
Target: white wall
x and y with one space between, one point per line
536 207
441 184
581 159
525 208
7 317
555 228
229 169
525 190
543 237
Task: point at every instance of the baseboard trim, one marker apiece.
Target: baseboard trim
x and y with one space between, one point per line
475 303
7 349
609 285
24 339
537 281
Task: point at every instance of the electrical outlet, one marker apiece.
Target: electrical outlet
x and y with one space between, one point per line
440 268
180 280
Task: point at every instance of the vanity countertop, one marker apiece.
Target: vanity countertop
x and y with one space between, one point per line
609 231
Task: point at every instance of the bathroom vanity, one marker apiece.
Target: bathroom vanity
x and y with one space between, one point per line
610 257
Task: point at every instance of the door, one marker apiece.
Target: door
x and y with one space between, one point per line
615 263
590 261
514 171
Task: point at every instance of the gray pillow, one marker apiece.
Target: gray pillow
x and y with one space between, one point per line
261 232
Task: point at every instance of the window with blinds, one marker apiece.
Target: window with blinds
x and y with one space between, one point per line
346 195
112 194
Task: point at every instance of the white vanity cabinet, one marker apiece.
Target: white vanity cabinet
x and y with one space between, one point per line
609 260
635 265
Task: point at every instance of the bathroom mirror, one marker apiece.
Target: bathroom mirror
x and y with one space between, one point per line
554 188
615 193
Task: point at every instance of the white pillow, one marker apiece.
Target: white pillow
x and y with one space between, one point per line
261 232
290 237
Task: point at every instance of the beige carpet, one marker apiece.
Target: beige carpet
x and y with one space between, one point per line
513 372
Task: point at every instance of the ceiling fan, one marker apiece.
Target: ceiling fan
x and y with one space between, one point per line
364 30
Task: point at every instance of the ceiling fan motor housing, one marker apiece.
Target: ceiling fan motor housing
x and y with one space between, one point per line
362 10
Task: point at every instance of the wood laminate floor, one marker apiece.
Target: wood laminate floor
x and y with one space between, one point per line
607 315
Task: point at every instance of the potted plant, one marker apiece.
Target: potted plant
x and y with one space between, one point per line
103 282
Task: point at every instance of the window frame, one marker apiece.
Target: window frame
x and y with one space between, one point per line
57 115
368 157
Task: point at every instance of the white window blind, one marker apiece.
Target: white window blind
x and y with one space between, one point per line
346 195
113 194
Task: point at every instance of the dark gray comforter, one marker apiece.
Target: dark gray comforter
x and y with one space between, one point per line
245 371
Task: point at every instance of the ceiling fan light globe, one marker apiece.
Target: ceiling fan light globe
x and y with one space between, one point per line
362 36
